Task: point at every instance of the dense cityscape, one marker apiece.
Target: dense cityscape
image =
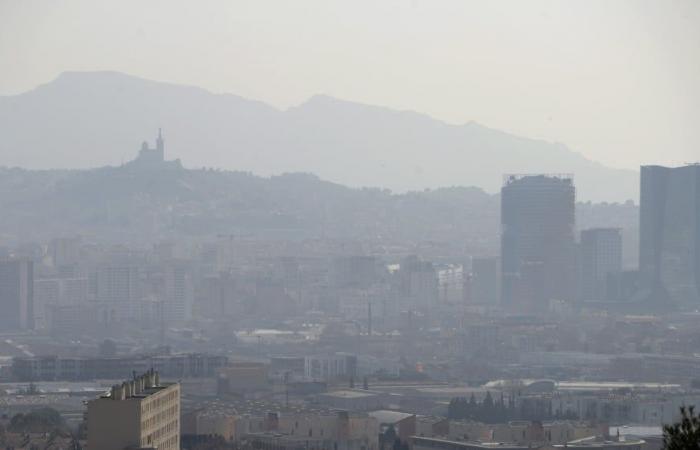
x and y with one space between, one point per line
349 225
541 337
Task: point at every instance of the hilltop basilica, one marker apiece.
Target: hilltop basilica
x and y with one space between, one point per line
153 157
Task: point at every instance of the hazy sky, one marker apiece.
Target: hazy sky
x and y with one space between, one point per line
618 81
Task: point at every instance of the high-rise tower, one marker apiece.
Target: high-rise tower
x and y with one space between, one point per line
600 256
669 233
16 294
537 240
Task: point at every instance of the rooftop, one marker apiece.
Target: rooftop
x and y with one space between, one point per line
469 444
349 394
597 442
385 416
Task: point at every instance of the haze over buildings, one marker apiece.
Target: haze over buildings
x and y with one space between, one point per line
185 269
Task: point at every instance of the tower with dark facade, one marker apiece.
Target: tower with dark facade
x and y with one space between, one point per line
669 234
537 240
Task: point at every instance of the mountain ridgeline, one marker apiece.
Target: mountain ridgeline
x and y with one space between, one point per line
95 119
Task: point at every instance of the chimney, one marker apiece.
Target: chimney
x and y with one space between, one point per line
117 392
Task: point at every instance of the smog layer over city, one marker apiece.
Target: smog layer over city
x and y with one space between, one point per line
349 225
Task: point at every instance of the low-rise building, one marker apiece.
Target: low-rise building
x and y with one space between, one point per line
277 426
341 430
243 377
55 368
599 443
424 443
329 367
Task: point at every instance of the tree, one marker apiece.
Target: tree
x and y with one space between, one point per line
398 445
388 438
683 435
41 420
488 400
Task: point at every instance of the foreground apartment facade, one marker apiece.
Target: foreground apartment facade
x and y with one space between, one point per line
139 413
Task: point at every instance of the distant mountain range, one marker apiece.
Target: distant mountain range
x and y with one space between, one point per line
92 119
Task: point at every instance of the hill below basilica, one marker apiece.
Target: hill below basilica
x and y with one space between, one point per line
143 202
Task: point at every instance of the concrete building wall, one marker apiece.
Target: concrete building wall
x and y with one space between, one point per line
140 413
485 281
16 295
243 377
112 424
178 293
600 255
118 289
